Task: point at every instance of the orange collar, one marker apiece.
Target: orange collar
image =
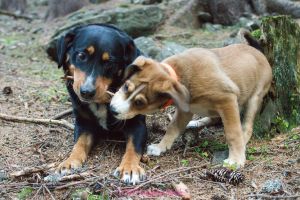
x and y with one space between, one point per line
173 75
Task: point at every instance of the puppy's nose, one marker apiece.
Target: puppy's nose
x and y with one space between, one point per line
113 110
87 92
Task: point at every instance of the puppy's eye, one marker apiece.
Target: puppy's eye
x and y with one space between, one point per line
81 56
139 103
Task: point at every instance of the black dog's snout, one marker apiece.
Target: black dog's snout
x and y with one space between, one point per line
113 110
87 92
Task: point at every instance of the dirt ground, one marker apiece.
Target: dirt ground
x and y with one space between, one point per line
38 92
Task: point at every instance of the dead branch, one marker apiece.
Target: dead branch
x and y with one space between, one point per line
3 12
63 114
168 174
37 121
31 170
59 178
75 183
273 197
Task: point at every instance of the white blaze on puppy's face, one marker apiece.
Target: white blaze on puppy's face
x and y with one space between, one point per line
120 104
123 103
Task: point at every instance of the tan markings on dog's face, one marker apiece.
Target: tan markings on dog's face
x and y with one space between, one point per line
91 50
79 78
105 56
102 85
70 71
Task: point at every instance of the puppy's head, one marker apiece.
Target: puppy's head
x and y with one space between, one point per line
96 57
147 89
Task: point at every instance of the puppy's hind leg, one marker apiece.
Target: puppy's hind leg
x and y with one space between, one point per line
205 121
229 112
253 105
176 127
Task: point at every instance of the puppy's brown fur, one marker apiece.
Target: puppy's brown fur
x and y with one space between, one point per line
212 83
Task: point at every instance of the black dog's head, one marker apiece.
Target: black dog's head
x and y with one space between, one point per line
96 56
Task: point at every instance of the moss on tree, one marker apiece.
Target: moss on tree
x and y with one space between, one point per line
281 110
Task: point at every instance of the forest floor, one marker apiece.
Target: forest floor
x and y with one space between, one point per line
37 91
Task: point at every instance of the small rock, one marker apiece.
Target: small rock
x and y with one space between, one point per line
219 157
169 49
7 90
148 46
3 175
212 27
272 186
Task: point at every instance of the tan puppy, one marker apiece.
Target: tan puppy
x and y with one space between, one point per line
213 83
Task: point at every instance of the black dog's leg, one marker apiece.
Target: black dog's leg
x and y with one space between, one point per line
136 134
84 142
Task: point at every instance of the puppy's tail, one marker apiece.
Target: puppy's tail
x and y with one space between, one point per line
249 39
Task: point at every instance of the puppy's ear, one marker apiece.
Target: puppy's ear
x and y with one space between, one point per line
177 92
63 45
137 65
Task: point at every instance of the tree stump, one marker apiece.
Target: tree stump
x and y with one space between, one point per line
281 43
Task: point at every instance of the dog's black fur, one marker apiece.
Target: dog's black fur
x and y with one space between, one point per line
72 51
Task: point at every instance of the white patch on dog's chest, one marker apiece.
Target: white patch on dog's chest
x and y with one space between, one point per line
100 112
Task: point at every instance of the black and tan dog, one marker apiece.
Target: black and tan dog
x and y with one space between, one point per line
214 83
96 56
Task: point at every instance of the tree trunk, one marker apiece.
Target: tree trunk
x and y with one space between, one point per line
13 5
228 12
281 110
59 8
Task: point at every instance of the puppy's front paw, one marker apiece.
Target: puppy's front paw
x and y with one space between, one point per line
155 150
234 163
72 163
130 173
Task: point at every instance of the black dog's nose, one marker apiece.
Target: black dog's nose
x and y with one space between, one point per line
113 110
87 93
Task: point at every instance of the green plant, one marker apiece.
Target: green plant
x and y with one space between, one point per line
184 162
256 34
24 193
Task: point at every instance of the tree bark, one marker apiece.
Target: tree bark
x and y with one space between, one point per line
13 5
228 12
281 110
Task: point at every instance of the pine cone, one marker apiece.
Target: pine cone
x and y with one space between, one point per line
225 175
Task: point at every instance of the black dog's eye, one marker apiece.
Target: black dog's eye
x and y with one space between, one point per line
138 103
81 56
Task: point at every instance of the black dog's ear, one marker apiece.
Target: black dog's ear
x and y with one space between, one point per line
63 45
131 51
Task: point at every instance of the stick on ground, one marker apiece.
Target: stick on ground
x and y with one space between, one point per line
63 114
31 170
37 121
3 12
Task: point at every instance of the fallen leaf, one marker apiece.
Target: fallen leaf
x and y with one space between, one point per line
182 190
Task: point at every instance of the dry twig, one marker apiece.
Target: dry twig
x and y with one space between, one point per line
63 114
168 173
37 121
3 12
31 170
